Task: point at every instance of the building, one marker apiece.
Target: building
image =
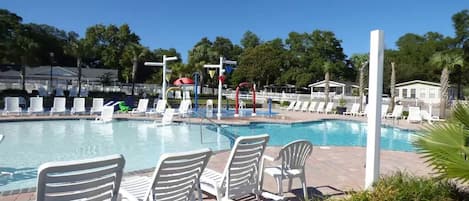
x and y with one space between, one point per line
422 90
335 88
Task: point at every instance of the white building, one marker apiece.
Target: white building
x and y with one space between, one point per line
335 88
422 90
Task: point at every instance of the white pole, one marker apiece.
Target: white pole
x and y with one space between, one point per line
220 72
374 115
164 77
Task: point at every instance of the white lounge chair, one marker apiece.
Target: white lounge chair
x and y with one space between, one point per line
97 106
12 105
297 106
312 106
106 114
159 109
384 110
428 117
176 177
304 107
141 108
35 105
354 110
329 108
88 179
167 118
293 157
242 174
184 107
364 112
291 106
59 105
78 106
320 108
414 115
396 112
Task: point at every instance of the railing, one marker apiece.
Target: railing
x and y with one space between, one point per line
213 126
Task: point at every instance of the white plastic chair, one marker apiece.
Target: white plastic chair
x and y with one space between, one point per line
384 110
320 108
304 107
293 157
291 106
88 179
414 115
364 113
184 107
97 106
312 106
176 177
78 106
396 112
106 114
35 105
329 107
243 172
297 106
12 105
141 108
166 120
159 109
353 110
59 105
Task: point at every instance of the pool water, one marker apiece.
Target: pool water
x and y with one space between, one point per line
230 113
28 144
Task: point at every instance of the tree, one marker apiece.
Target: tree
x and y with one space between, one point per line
393 86
250 40
327 68
80 49
133 52
24 46
360 61
447 61
444 145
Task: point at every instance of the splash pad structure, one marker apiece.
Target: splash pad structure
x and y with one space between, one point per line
253 89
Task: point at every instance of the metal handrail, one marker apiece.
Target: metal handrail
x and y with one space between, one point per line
231 136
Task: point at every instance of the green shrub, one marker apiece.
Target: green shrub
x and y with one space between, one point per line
285 103
402 186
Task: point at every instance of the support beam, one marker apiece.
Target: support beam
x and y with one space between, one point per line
374 113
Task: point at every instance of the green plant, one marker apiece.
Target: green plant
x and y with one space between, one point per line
342 102
402 186
445 146
405 113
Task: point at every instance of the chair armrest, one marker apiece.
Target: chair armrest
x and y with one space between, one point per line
269 158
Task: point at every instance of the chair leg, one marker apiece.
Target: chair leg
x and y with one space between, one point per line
290 181
305 188
279 185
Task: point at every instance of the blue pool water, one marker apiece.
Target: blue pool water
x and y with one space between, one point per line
31 143
230 113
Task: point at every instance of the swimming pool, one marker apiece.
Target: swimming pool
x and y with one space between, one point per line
28 144
230 113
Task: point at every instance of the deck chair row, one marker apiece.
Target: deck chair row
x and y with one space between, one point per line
177 176
36 106
312 106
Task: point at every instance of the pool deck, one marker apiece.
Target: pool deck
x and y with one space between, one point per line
330 171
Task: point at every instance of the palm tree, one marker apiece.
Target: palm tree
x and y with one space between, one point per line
78 49
445 146
447 60
24 48
362 61
136 52
327 68
393 85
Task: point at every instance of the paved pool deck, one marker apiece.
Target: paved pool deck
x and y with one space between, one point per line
330 171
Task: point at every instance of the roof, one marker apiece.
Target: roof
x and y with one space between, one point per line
60 72
418 82
323 84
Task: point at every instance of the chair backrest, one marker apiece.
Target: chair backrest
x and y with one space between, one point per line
142 105
242 173
168 116
98 104
321 107
384 110
107 113
397 111
355 108
365 111
329 106
209 105
160 106
295 154
187 95
184 106
12 104
89 179
59 104
176 175
297 105
414 114
312 106
79 104
36 104
291 106
305 105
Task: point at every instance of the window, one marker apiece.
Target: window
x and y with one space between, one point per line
404 93
412 93
432 93
422 93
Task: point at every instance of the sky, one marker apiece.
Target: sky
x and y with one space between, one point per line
181 24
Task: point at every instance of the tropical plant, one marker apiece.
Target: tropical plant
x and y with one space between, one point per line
447 61
361 61
327 69
80 49
135 52
445 146
393 85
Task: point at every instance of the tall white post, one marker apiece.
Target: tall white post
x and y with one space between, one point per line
374 100
164 77
220 73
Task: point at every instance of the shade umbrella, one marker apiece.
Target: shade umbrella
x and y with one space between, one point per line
183 81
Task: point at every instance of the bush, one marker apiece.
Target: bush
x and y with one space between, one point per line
402 186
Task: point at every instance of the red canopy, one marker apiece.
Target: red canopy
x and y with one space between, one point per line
183 81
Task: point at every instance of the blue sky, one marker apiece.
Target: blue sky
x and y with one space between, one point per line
180 24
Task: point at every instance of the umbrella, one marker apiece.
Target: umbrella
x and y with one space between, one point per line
183 81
